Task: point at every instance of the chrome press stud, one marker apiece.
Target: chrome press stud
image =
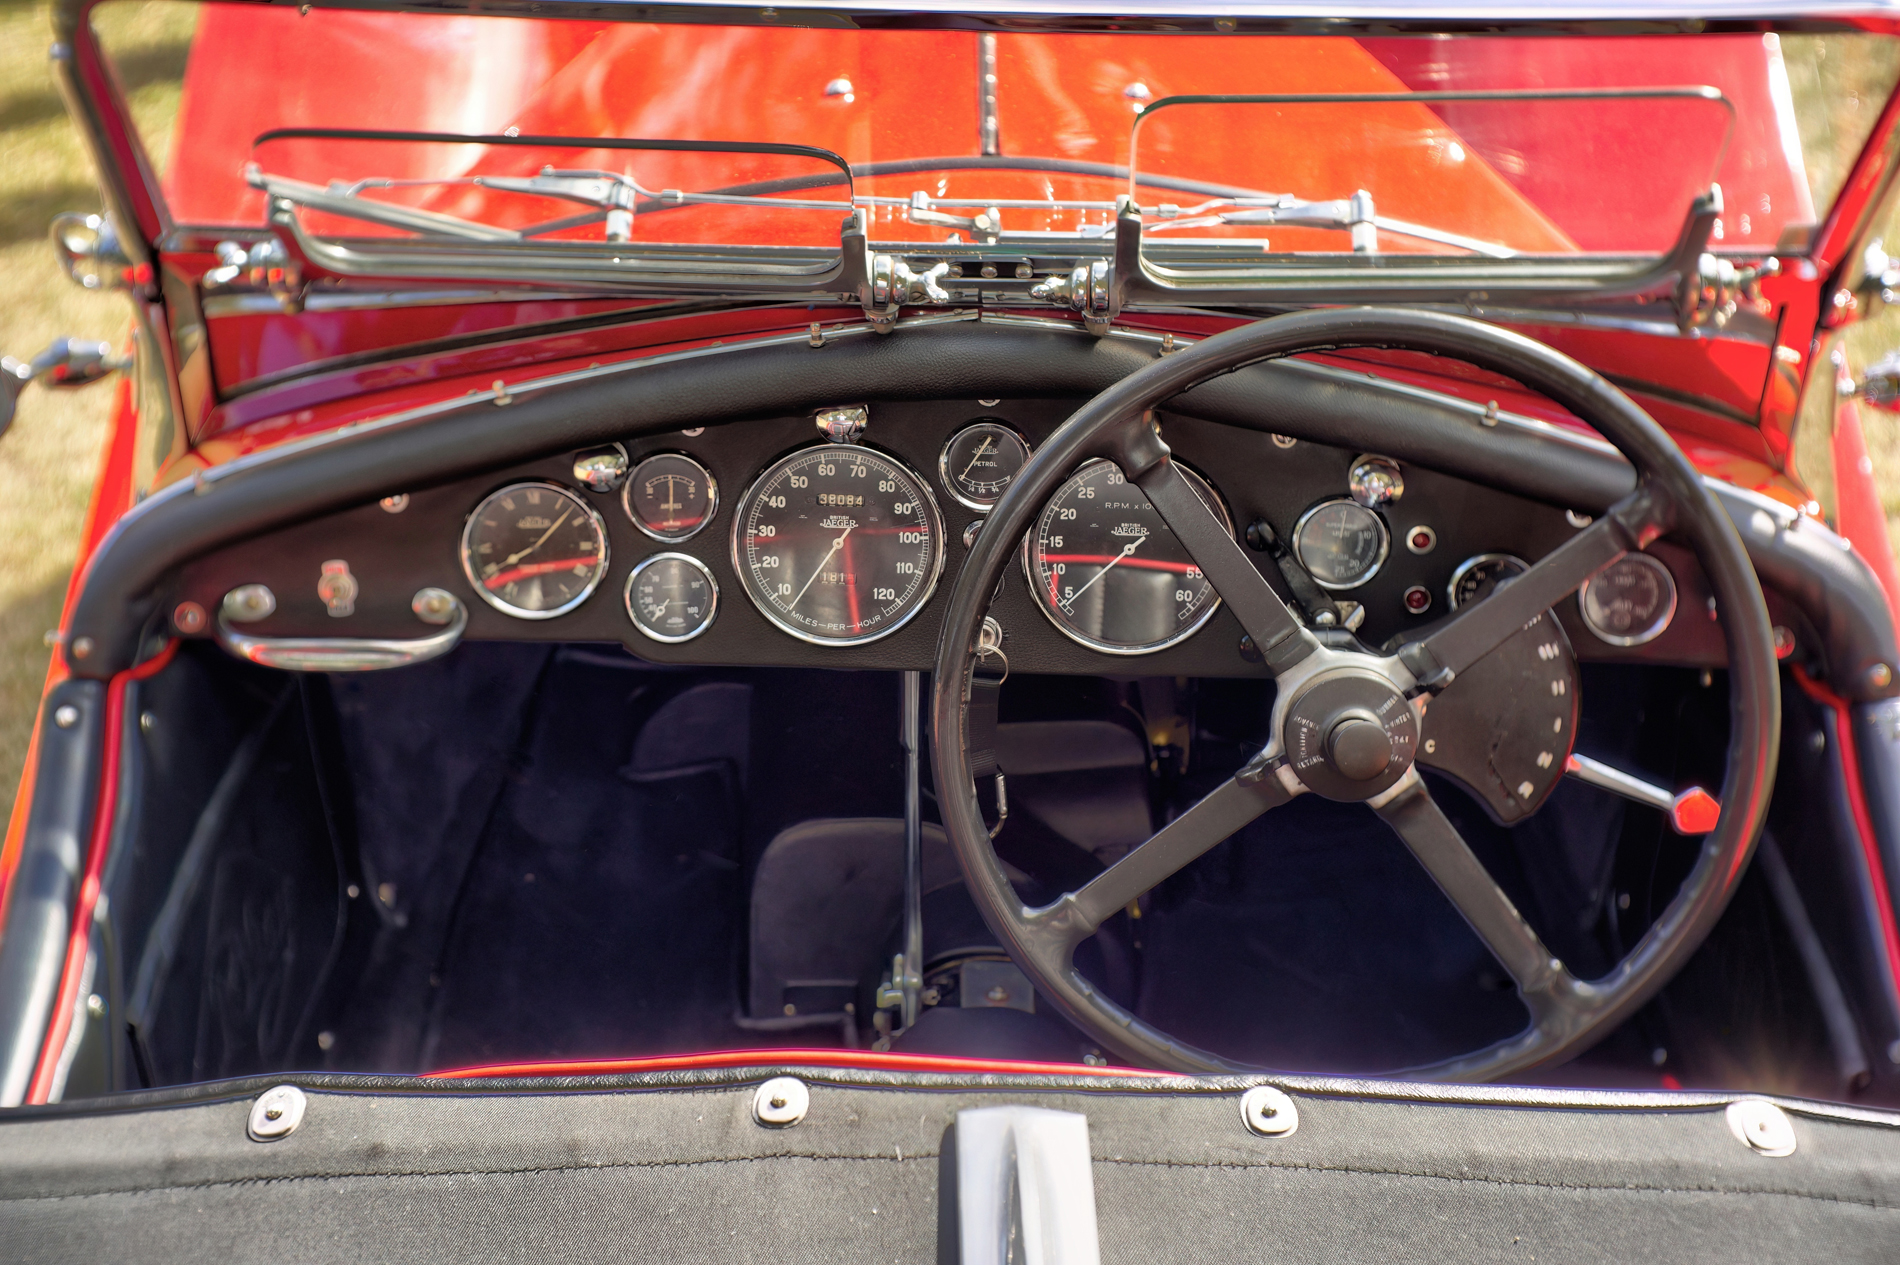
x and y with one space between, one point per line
276 1113
781 1102
1269 1112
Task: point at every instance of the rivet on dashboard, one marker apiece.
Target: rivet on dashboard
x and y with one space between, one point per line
66 717
434 606
188 617
395 504
1284 441
1880 676
248 603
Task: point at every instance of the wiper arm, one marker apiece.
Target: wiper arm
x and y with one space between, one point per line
344 200
1354 214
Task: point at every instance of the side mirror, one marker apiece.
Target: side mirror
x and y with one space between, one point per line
69 362
1879 385
88 249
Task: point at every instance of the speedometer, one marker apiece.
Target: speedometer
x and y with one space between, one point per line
1107 571
837 544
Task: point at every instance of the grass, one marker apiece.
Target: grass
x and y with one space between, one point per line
49 458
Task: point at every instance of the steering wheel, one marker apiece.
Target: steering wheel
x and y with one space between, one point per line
1345 723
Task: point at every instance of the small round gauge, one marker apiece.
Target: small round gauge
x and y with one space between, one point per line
1107 571
1341 543
1477 576
837 544
979 461
670 496
534 550
1629 602
672 597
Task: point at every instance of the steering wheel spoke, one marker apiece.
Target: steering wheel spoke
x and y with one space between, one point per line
1275 630
1632 523
1075 916
1548 989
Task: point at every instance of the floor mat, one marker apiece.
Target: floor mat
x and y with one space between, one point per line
602 913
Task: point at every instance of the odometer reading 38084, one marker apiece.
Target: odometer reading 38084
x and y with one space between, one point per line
837 544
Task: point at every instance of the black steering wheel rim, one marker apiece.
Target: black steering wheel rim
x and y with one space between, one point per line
1567 1014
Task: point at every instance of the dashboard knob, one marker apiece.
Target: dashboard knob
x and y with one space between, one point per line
1359 748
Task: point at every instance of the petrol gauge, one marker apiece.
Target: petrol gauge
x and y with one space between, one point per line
672 597
534 550
669 496
837 544
1477 576
1341 543
1629 602
979 462
1107 571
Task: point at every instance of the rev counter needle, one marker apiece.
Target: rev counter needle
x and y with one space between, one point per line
1127 549
513 558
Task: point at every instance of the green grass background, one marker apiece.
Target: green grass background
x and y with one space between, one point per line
49 458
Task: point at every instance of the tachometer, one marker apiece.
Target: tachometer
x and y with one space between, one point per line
837 544
1107 571
534 550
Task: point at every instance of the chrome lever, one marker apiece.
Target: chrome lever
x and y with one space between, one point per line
1691 812
344 654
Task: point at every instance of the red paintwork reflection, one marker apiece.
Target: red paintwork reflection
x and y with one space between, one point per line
865 1059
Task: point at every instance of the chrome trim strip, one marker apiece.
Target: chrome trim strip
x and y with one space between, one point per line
261 304
342 654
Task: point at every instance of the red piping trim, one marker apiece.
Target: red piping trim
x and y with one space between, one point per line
107 801
780 1058
1863 820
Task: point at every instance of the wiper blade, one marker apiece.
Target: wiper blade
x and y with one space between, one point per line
1354 215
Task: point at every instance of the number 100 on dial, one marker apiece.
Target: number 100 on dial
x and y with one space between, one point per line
838 544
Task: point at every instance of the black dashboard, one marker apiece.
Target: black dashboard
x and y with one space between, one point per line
1387 560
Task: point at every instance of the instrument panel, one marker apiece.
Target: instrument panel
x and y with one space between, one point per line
838 542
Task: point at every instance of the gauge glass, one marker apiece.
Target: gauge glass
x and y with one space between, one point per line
1476 577
534 550
670 496
838 544
1107 571
1629 602
672 597
979 462
1341 543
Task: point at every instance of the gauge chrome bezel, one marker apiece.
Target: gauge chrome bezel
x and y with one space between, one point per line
712 587
1471 564
1083 639
943 461
1649 632
517 612
931 509
626 495
1378 563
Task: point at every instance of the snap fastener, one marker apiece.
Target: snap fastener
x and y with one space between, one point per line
781 1102
1269 1112
276 1113
1762 1125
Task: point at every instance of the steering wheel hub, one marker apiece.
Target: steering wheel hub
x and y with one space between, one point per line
1350 735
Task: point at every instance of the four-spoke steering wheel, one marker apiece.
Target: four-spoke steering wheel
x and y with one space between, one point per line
1345 723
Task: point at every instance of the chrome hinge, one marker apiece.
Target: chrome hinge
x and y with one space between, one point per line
844 424
891 283
265 265
1087 288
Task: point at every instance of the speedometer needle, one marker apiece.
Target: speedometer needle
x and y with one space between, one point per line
819 570
513 558
1127 549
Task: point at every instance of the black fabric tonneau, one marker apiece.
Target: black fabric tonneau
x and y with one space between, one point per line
650 1168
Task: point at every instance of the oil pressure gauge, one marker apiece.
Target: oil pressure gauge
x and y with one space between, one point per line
672 597
1629 602
1341 543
